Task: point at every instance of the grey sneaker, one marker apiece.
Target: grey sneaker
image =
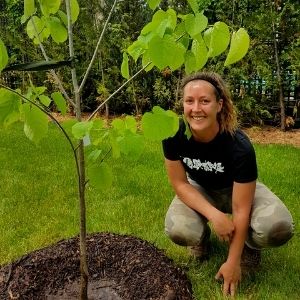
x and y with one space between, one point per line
250 260
201 252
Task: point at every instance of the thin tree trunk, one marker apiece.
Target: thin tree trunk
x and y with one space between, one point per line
81 175
279 79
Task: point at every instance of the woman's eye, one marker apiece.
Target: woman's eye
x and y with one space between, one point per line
189 101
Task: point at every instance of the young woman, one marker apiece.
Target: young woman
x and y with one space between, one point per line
211 165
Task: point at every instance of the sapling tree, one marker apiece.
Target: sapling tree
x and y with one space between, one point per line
170 40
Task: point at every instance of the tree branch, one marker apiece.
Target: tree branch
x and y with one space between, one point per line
116 91
97 47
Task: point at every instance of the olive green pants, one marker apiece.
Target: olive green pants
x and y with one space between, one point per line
271 223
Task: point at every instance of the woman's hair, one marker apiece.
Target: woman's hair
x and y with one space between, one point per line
227 116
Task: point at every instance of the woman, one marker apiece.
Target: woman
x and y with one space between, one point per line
211 165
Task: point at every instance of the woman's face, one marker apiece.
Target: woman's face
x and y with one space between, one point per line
201 108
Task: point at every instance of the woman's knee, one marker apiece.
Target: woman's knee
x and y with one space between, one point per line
280 233
184 231
271 234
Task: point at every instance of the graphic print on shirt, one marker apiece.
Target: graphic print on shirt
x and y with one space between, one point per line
207 166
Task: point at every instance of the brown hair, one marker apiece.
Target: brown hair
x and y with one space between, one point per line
227 116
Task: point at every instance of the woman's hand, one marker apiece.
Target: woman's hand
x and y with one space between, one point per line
231 275
223 226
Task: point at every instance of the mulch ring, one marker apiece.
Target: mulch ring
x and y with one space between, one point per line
120 268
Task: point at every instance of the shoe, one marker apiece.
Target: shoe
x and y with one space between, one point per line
250 260
201 251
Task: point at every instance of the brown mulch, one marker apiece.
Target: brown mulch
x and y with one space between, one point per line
121 268
273 135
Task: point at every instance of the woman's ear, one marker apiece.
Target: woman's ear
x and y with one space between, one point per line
220 103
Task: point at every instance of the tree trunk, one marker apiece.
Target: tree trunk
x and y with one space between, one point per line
279 79
83 251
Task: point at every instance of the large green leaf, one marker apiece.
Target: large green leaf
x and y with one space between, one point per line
37 30
3 56
124 66
45 100
159 124
239 46
200 51
49 7
219 39
131 144
29 10
75 9
129 123
60 102
82 129
57 30
161 21
100 176
165 52
195 24
136 49
9 107
190 62
35 122
146 60
153 3
194 5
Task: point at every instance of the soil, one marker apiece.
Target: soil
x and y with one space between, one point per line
273 135
120 268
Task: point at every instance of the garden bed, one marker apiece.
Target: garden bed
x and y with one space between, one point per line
121 268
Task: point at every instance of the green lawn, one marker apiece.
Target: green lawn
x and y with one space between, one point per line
38 206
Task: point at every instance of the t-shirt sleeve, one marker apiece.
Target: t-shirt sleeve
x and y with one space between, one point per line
245 166
171 146
170 149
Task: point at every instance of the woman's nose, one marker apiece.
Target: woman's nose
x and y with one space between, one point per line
197 106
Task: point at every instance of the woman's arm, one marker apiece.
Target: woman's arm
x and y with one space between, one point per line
222 225
242 198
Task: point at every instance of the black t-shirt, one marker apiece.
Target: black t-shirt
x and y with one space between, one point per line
216 164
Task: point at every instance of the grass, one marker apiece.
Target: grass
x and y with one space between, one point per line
38 206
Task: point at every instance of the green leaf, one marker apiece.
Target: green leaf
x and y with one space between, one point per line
9 107
195 24
35 122
131 144
165 52
136 49
190 62
124 66
146 60
93 156
63 17
74 10
159 124
49 7
45 100
81 129
153 3
37 30
194 5
3 56
129 123
161 21
57 30
100 176
239 46
187 132
60 102
29 10
219 39
200 51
